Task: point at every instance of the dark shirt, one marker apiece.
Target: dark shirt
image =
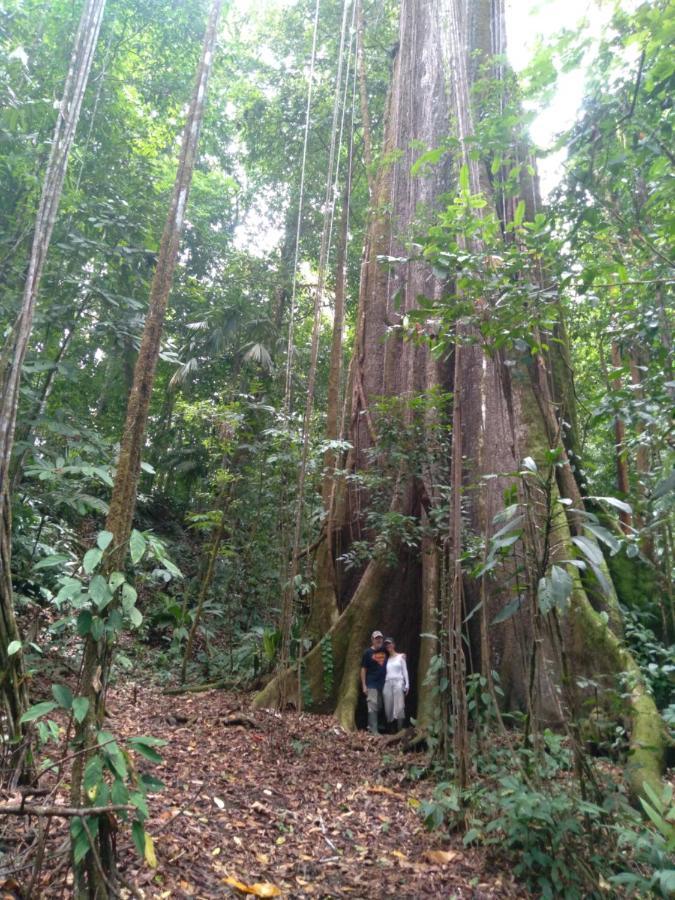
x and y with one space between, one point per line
375 664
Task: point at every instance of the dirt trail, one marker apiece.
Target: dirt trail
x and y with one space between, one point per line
288 801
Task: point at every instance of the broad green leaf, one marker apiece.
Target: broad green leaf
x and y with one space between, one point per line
129 596
137 545
510 526
590 549
602 534
70 588
508 611
545 597
119 793
172 568
80 708
104 475
99 591
148 741
150 783
103 540
63 695
13 647
93 772
430 158
138 836
529 464
40 709
114 623
135 616
79 841
138 799
602 579
84 622
562 586
116 759
503 542
48 562
519 214
614 501
91 559
115 580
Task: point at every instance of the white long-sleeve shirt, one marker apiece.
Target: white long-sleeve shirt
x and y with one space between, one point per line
397 670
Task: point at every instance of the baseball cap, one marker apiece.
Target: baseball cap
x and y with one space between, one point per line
376 634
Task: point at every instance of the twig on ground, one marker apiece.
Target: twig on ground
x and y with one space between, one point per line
325 836
22 809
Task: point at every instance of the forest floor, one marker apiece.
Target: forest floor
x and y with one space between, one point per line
268 805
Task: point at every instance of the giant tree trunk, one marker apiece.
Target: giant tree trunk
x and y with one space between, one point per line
507 412
12 677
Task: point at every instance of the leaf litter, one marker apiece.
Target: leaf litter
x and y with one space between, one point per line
265 805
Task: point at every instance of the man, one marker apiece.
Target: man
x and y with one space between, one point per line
373 674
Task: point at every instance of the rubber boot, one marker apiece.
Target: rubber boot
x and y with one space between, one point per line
372 723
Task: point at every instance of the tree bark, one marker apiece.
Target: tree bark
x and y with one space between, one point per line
363 97
508 411
324 607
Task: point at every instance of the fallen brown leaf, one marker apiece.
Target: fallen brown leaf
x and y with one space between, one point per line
259 889
441 857
381 789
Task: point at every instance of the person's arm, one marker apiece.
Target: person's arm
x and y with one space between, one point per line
363 680
404 670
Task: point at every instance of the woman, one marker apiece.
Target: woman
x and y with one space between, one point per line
396 685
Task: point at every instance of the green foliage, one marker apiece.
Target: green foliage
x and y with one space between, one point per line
653 845
553 833
656 660
557 843
111 777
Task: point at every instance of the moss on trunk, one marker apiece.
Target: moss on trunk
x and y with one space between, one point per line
648 737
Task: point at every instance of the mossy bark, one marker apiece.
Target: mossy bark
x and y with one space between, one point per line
648 740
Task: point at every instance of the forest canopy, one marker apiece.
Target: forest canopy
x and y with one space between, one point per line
295 349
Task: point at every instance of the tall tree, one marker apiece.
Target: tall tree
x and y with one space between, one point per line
503 407
98 652
13 682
